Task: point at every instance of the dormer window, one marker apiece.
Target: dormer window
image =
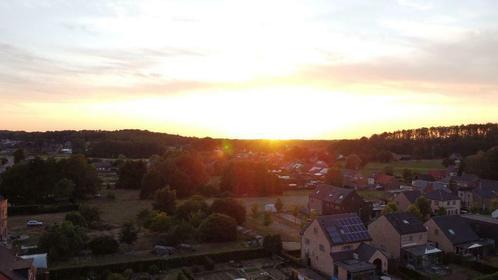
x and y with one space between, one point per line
406 222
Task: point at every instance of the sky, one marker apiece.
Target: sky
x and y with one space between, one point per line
248 69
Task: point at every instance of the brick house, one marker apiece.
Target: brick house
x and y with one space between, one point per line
404 199
328 200
453 234
485 193
445 199
14 268
3 218
403 237
336 246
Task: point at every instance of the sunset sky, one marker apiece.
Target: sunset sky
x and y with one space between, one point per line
248 69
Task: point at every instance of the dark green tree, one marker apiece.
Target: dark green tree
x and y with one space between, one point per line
19 156
218 228
230 207
62 241
165 200
128 233
131 174
103 245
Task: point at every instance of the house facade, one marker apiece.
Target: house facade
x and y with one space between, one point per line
403 237
336 246
444 199
404 199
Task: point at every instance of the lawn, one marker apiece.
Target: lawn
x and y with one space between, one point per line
289 200
419 166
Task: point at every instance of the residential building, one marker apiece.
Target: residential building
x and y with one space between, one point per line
404 199
14 268
3 218
453 234
484 226
444 199
328 199
404 237
485 194
335 246
466 195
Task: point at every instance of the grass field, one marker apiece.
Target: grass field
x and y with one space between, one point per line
419 166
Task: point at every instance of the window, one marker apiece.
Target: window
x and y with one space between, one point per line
322 248
306 241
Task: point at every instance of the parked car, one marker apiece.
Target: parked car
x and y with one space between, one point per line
34 223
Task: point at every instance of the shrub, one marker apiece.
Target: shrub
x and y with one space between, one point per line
128 234
76 218
153 269
165 200
115 276
230 207
62 241
91 215
218 228
103 245
273 243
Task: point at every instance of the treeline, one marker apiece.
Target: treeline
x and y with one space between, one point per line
433 142
45 181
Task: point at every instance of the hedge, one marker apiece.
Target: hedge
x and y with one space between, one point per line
34 209
75 272
474 265
493 276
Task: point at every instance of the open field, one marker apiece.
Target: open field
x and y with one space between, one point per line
289 199
419 166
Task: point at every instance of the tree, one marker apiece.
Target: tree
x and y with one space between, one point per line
413 209
165 200
407 175
131 174
194 205
272 243
334 177
255 211
388 170
279 205
424 206
151 182
353 161
218 228
19 156
64 188
230 207
160 222
267 219
84 175
62 241
76 219
103 245
128 233
441 211
391 207
91 214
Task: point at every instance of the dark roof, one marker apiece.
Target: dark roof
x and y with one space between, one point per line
412 195
455 228
11 266
364 252
441 195
487 189
405 223
344 228
331 193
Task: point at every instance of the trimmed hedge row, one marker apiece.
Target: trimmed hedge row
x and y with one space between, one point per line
42 209
474 265
98 270
493 276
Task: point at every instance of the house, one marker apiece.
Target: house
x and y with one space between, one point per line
404 199
485 194
335 245
3 218
404 237
484 226
444 199
387 182
453 234
14 268
466 196
328 199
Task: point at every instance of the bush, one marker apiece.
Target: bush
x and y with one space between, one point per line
103 245
62 241
218 228
115 276
230 207
493 276
76 219
153 269
91 215
161 222
165 200
128 234
273 244
208 263
42 209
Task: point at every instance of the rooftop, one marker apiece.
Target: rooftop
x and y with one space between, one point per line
405 223
455 228
441 195
353 265
331 193
344 228
10 265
